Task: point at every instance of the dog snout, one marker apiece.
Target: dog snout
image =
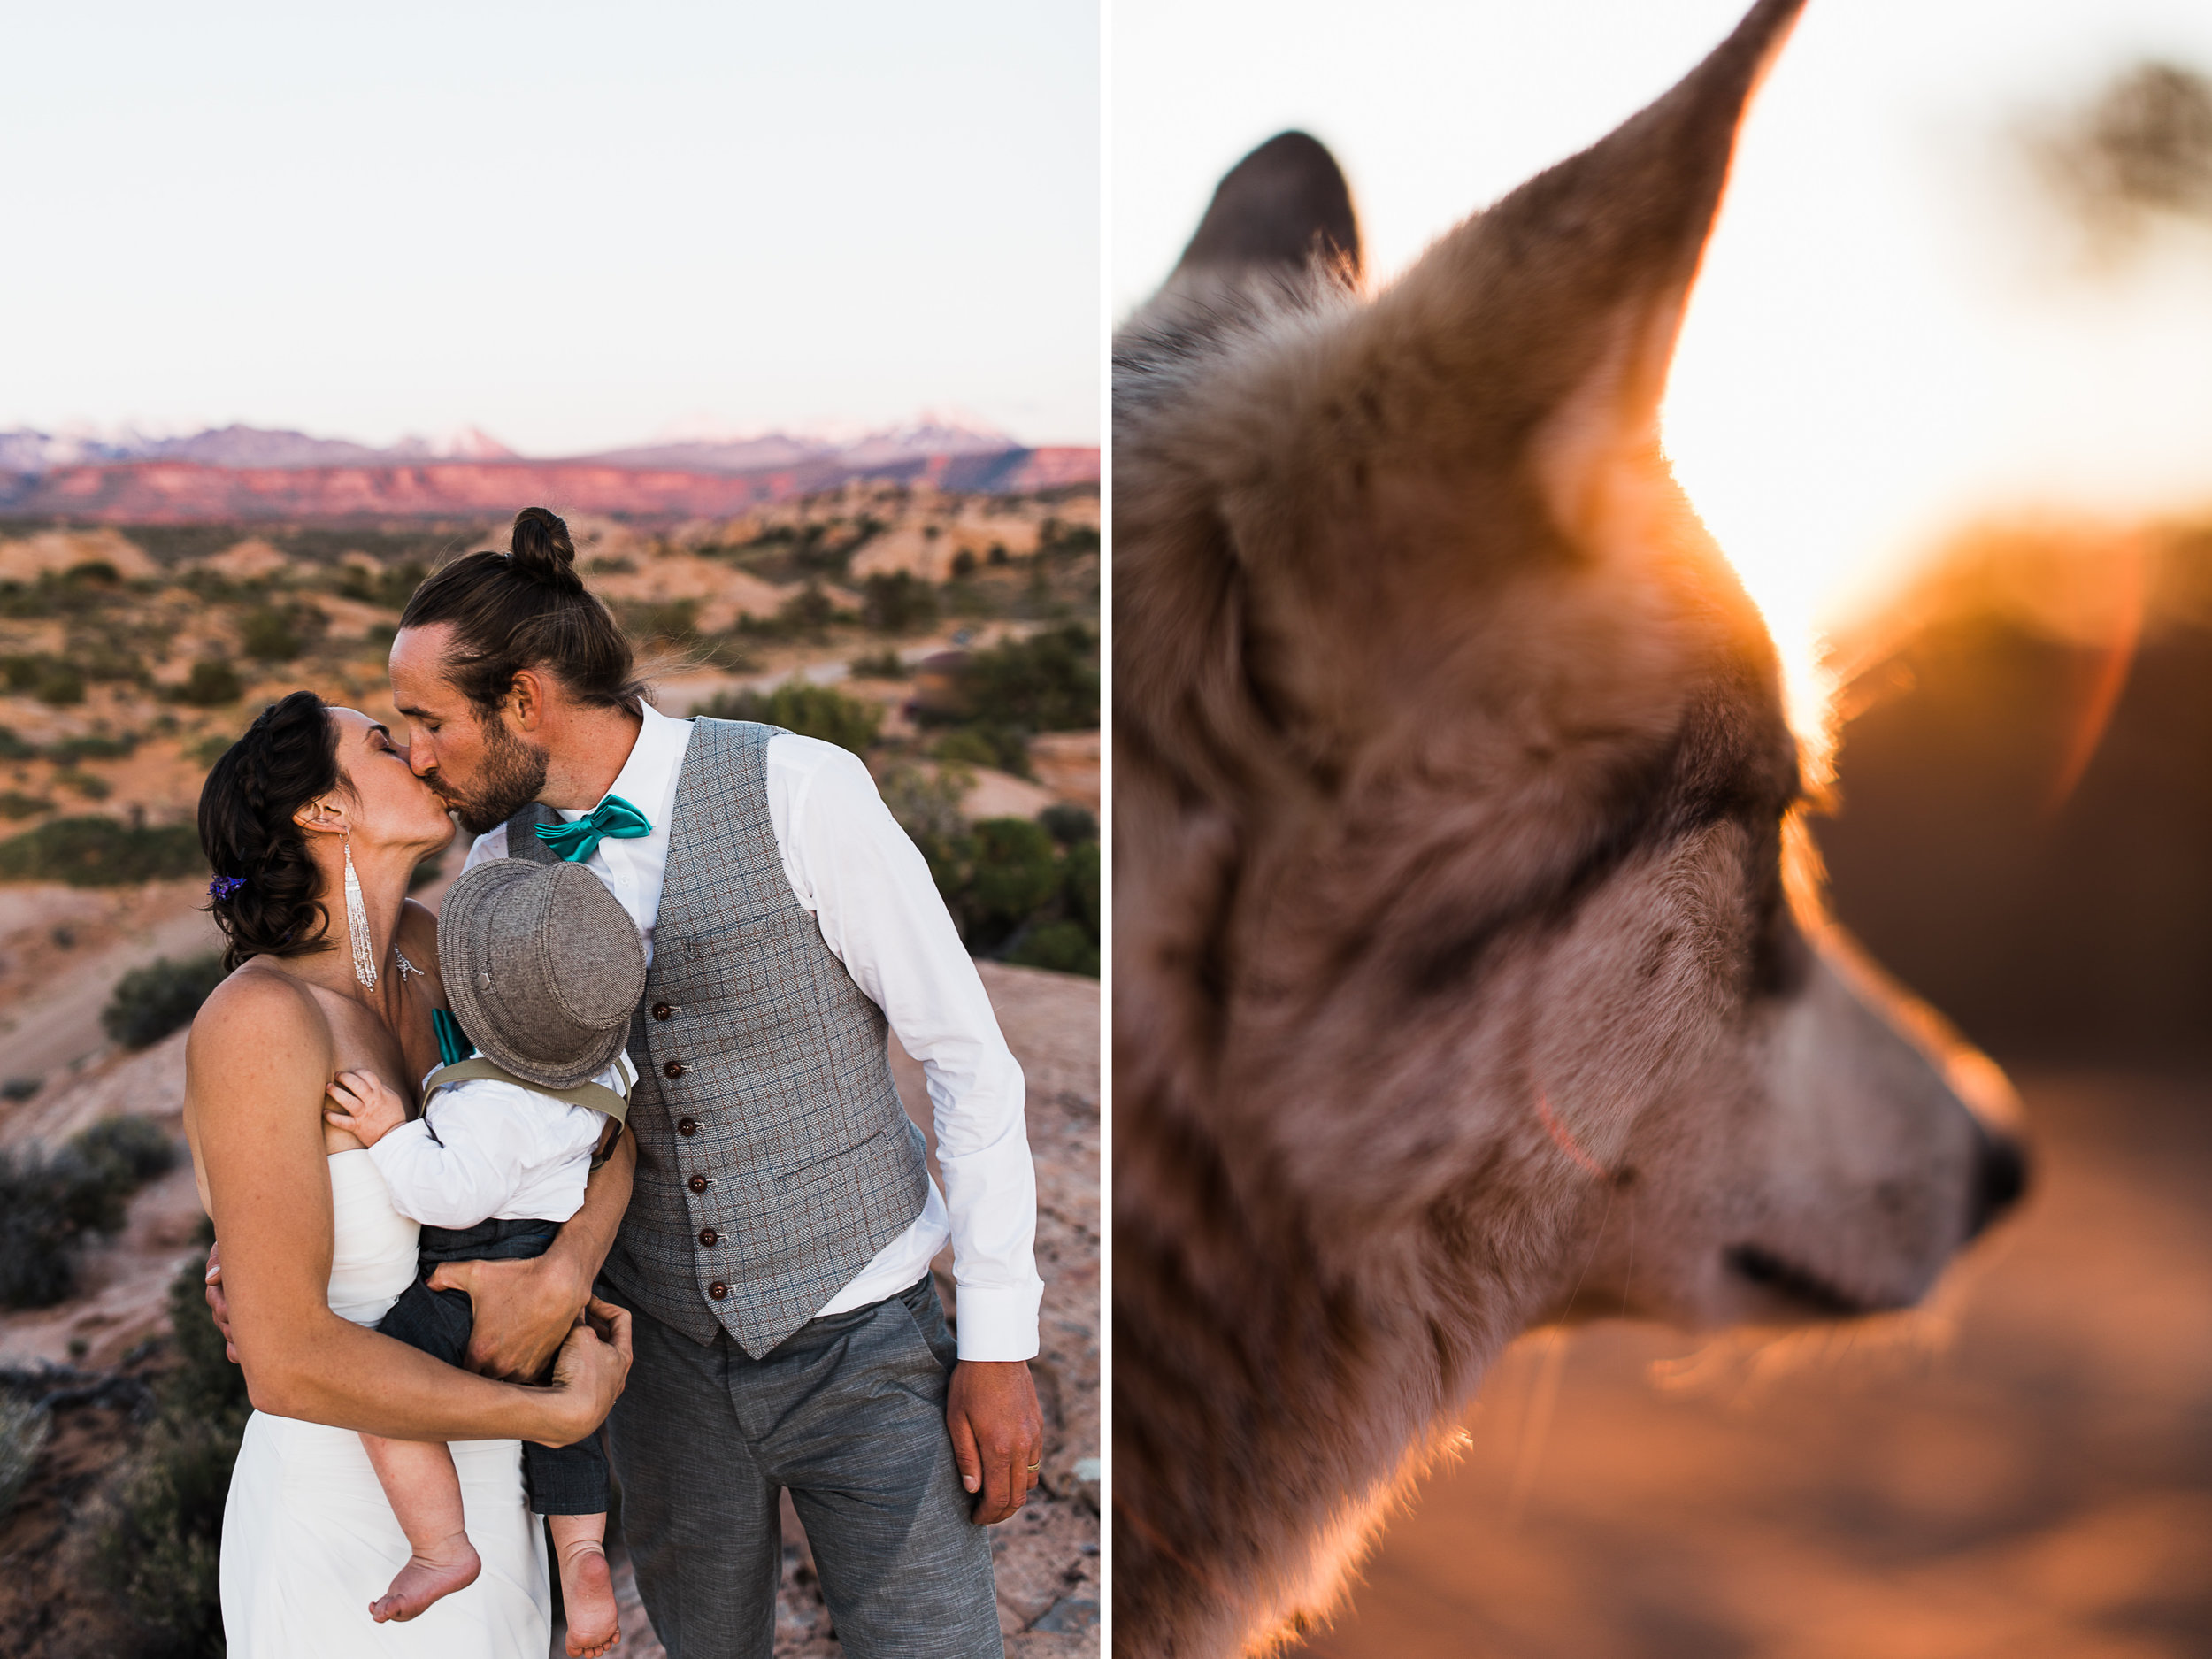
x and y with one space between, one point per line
2001 1177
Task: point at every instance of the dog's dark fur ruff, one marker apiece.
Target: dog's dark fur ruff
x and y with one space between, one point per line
1452 793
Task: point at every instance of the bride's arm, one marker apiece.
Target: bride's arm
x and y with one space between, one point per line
256 1064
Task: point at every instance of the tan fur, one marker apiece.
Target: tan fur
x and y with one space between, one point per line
1452 948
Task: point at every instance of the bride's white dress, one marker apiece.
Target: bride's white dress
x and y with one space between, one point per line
309 1540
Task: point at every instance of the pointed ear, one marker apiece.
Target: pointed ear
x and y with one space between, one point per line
1552 316
1285 204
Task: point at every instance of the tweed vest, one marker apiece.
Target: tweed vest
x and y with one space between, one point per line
773 1157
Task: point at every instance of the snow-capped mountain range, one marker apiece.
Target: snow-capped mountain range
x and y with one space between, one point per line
27 451
241 472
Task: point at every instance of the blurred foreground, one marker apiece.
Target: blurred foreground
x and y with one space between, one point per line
2034 1482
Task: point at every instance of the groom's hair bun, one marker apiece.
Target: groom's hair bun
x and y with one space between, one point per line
540 549
528 608
288 758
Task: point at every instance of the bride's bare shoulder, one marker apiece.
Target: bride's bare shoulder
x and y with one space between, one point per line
259 1016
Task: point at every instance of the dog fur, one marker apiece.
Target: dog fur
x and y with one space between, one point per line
1464 932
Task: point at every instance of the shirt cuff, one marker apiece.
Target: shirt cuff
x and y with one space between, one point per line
998 1323
394 1151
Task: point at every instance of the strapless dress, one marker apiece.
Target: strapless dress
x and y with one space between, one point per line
309 1540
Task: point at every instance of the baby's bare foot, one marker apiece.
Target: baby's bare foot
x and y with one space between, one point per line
588 1595
449 1566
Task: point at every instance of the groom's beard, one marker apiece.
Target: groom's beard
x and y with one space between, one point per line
512 773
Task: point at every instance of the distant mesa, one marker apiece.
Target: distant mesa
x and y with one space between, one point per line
240 472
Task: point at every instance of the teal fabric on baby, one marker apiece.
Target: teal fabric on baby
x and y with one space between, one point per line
453 1043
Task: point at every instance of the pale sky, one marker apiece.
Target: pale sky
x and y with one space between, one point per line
1892 335
576 225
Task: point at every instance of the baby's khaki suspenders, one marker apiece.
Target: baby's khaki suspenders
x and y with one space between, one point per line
594 1096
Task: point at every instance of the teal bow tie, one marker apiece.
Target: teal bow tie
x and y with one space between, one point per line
577 841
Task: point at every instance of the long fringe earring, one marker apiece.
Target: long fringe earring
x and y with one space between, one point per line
357 924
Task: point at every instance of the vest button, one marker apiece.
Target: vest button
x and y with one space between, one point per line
686 1126
674 1068
718 1290
708 1237
697 1183
661 1010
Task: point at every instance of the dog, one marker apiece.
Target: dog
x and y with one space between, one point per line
1470 966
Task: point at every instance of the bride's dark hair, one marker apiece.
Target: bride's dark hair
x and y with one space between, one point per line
264 887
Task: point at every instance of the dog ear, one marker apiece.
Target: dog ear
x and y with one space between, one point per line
1284 204
1548 322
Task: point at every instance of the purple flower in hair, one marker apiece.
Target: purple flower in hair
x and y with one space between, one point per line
223 886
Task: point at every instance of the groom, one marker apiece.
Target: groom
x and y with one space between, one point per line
773 1246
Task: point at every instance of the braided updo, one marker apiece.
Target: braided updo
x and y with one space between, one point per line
528 608
287 758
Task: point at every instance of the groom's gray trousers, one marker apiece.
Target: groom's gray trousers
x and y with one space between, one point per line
848 1414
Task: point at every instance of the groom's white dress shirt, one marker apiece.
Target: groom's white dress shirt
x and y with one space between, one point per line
866 882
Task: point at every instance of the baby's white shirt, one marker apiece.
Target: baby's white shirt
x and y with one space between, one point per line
502 1152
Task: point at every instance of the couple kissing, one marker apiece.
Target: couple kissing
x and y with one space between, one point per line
611 1142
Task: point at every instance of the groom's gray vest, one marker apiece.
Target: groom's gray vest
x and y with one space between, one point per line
773 1157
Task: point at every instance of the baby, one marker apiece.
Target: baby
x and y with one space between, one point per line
544 968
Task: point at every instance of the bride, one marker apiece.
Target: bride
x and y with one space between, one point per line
313 822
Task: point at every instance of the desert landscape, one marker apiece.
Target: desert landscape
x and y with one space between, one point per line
948 635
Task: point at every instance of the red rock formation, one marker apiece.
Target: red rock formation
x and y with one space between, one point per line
175 492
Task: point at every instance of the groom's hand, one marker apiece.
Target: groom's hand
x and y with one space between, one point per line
590 1370
998 1433
524 1311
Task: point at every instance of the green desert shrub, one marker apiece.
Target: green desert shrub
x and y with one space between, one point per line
1081 889
1006 882
151 1001
1063 947
806 614
101 852
1046 683
1003 696
982 746
884 665
96 746
391 587
90 785
156 1546
898 602
49 679
48 1202
23 1427
126 1152
1013 873
810 710
14 804
211 683
1068 824
13 747
278 633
